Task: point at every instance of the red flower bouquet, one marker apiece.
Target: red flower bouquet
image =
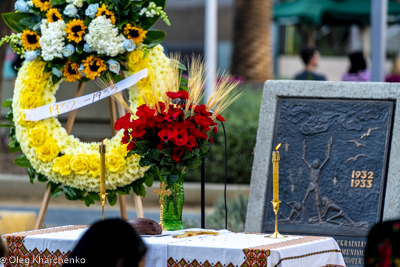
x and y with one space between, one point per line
173 134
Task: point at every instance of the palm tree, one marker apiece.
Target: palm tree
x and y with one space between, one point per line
252 48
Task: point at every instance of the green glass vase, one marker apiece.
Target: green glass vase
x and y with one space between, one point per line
172 211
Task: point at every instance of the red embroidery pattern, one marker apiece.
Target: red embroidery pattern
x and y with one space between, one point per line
20 256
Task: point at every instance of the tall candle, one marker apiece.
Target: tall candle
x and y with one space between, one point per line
275 172
102 150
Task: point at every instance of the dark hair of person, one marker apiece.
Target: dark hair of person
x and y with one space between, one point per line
357 62
307 53
108 243
3 247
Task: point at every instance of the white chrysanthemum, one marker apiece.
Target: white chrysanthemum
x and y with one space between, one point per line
104 37
77 3
52 40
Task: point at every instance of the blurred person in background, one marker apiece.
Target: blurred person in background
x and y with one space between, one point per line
310 57
394 77
3 249
109 243
358 71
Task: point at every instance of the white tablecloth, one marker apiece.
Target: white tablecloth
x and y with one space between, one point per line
225 249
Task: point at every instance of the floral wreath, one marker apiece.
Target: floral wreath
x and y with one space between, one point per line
79 40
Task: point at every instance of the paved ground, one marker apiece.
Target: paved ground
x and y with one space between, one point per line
60 216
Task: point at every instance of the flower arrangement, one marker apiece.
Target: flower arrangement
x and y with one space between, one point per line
81 40
84 39
173 134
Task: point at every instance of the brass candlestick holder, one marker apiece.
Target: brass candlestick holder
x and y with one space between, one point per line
276 234
162 193
103 202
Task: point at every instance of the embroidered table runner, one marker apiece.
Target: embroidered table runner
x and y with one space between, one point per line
50 247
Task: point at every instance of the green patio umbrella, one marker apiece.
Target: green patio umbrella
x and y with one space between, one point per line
331 12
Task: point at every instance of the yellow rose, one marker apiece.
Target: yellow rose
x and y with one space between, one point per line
37 136
29 101
115 160
94 165
62 165
136 58
48 151
34 87
80 164
25 123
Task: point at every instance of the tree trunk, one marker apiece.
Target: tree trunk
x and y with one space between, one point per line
5 6
252 47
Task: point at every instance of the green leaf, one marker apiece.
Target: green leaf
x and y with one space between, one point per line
88 200
193 164
142 190
122 23
55 189
118 78
70 193
153 38
42 178
112 198
10 116
57 2
165 171
22 161
6 125
166 151
148 22
94 196
32 174
14 146
187 155
180 66
145 162
155 154
148 179
87 21
55 79
166 161
20 21
121 191
7 103
93 1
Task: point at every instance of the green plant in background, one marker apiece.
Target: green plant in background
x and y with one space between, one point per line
237 208
241 129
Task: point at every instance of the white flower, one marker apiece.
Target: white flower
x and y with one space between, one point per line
52 40
113 66
78 3
104 37
70 11
30 55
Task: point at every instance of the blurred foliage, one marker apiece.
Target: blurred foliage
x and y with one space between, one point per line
241 130
237 208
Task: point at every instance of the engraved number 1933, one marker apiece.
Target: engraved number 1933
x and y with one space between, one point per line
362 179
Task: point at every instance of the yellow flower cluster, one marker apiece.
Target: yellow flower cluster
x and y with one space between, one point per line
159 67
61 157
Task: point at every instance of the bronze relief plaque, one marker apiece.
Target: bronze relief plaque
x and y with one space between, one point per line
333 166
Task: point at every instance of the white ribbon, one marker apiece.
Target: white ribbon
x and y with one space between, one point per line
62 107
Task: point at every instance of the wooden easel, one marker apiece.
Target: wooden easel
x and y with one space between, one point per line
68 127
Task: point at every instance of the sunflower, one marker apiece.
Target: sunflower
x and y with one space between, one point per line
30 40
53 15
71 71
42 4
75 29
93 67
134 33
103 11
